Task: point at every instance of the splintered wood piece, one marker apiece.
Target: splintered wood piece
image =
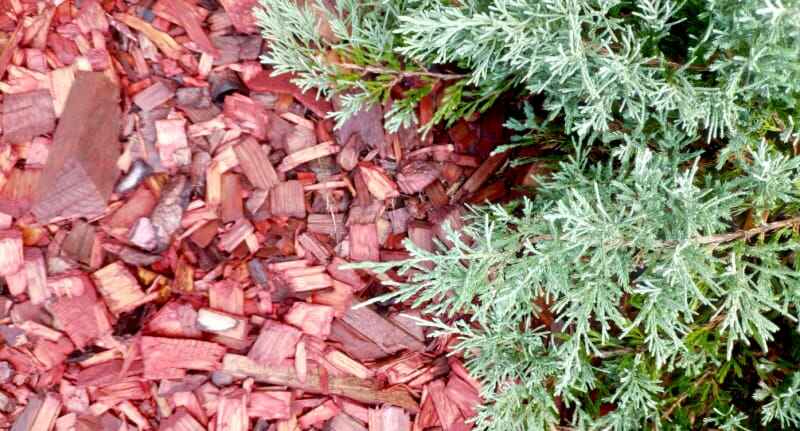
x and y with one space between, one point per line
479 177
173 147
446 409
153 96
308 279
305 155
364 243
175 320
248 115
270 405
181 420
11 252
463 395
319 414
232 413
119 288
287 200
348 365
227 296
314 246
255 164
343 422
39 415
416 175
163 41
236 235
191 20
364 390
169 358
241 14
26 115
36 276
389 418
282 84
381 331
168 212
81 315
275 343
378 183
232 206
348 276
80 242
311 318
326 224
81 168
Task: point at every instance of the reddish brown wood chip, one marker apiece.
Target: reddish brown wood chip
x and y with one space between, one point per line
312 319
11 253
119 288
287 200
241 14
264 81
255 164
153 96
81 168
169 358
364 243
26 115
270 404
275 343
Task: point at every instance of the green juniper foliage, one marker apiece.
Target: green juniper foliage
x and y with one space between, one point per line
662 244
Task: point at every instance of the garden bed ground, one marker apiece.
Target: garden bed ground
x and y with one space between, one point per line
187 275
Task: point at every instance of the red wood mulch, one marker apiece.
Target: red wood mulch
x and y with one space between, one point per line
173 221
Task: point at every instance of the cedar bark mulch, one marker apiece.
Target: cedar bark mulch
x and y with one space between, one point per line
174 221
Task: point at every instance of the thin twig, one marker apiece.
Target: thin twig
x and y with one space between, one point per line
748 233
403 73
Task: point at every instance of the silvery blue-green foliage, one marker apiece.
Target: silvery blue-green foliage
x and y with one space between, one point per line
651 282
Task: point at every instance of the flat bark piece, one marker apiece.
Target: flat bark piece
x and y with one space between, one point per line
367 123
381 331
227 296
39 415
167 214
81 169
153 96
82 317
364 245
416 175
367 391
11 252
275 343
166 358
255 164
282 84
119 288
241 14
79 242
270 405
287 200
312 319
27 115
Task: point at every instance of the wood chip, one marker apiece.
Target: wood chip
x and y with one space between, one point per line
26 115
